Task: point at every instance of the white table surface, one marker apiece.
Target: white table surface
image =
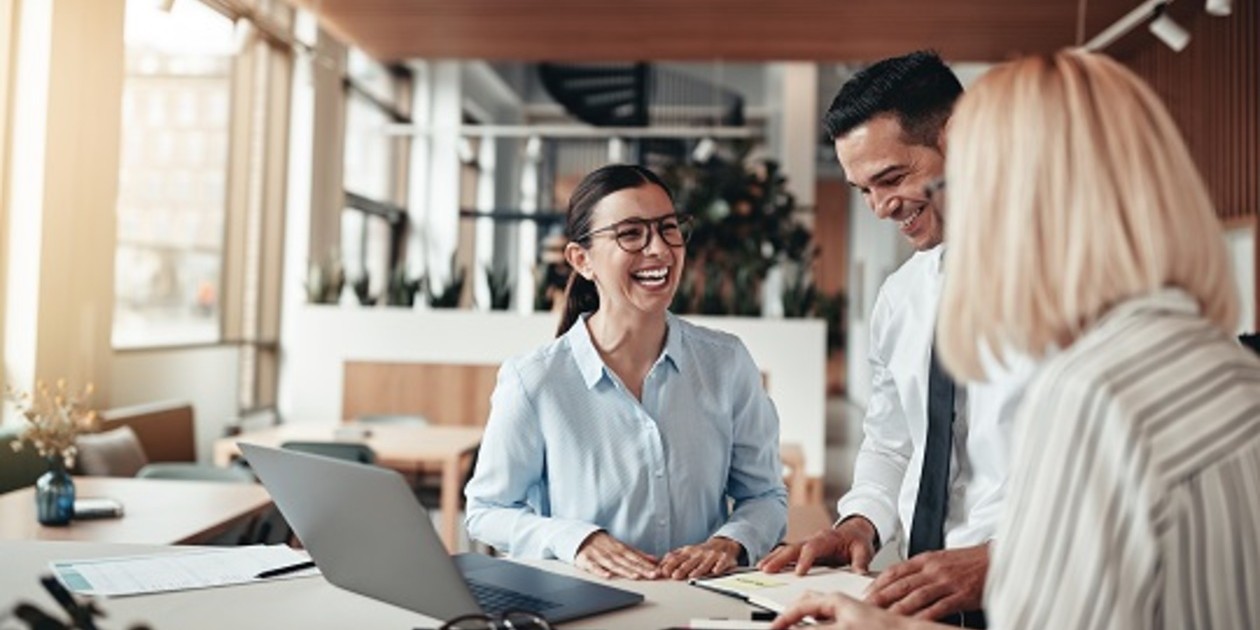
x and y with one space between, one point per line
312 602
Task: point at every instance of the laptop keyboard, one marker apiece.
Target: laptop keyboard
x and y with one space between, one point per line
495 600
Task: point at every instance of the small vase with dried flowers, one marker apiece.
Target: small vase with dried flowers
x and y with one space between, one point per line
54 417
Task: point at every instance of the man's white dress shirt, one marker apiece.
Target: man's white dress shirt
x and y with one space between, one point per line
890 461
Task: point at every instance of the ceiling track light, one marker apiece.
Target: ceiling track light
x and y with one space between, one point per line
1168 31
1220 8
1163 26
164 6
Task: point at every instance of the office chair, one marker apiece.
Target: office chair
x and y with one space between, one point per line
114 453
384 418
188 471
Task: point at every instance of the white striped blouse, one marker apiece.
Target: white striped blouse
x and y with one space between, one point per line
1135 496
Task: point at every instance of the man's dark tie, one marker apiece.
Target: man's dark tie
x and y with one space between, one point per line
927 533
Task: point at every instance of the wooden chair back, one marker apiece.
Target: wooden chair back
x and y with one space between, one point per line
165 429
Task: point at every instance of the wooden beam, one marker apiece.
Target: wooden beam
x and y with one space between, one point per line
748 30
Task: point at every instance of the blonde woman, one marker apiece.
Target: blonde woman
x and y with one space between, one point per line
1082 234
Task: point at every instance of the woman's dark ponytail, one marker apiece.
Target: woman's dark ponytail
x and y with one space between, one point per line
580 296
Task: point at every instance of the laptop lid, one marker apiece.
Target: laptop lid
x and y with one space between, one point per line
367 533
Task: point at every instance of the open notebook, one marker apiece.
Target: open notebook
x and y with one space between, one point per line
777 591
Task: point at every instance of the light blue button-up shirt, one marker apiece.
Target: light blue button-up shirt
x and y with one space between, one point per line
568 450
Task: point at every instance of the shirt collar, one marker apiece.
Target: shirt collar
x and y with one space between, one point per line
584 352
938 258
673 353
1166 300
592 366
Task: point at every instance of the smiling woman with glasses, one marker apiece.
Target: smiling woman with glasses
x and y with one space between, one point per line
635 444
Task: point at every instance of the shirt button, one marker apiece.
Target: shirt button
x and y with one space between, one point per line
661 522
660 473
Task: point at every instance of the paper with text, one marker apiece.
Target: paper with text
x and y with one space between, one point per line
181 570
777 591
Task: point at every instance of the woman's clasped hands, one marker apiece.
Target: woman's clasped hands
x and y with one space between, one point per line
603 555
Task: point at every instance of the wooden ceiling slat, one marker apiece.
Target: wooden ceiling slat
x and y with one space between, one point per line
748 30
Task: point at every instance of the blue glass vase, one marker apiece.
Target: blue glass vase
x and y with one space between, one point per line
54 494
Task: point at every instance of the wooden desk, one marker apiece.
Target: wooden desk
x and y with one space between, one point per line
409 449
313 602
155 511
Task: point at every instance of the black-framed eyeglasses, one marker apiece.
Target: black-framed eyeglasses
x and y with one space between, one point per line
511 620
635 235
935 192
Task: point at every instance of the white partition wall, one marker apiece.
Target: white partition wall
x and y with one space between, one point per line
792 354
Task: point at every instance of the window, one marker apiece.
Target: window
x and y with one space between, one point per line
172 186
201 192
373 221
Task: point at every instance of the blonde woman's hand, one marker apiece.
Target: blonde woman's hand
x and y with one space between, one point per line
714 556
607 557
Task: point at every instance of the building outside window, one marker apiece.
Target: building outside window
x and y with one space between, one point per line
173 177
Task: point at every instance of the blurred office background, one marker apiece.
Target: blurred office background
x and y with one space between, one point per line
230 201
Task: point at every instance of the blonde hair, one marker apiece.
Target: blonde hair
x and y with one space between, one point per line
1070 190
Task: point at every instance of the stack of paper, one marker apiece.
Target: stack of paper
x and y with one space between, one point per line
202 567
777 591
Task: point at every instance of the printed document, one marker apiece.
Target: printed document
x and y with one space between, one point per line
777 591
196 567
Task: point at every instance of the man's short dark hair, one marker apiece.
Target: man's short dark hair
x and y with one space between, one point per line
918 88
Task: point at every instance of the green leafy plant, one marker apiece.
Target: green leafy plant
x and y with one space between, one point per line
549 282
362 285
800 296
833 308
401 291
325 279
685 297
448 296
744 224
499 282
745 293
711 300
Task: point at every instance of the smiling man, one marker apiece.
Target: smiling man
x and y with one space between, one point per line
932 467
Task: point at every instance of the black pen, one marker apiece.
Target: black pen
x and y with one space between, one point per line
270 573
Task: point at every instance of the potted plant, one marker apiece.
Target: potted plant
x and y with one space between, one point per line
401 291
55 416
325 280
500 288
448 295
744 224
362 287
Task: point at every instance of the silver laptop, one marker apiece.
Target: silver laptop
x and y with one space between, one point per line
367 533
